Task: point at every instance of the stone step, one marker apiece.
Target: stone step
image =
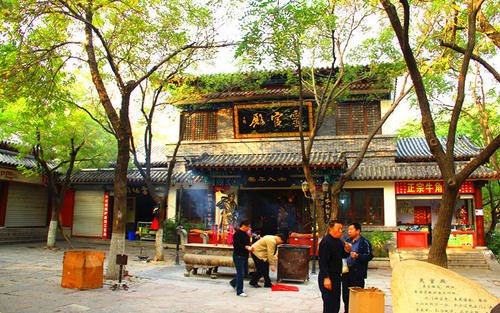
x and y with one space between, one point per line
379 262
450 256
475 266
450 260
463 259
468 262
472 254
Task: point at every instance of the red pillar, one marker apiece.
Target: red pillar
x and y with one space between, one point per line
4 190
478 201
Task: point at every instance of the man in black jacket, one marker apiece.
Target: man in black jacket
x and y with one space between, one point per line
357 262
241 244
331 252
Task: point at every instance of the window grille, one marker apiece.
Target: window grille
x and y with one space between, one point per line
200 126
357 118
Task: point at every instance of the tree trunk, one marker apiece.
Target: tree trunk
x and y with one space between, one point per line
51 235
117 245
54 220
442 228
159 233
159 256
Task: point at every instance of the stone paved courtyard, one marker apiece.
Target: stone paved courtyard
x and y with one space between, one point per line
31 282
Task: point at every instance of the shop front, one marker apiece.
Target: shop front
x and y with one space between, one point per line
16 208
417 206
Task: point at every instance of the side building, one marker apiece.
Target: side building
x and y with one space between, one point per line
25 208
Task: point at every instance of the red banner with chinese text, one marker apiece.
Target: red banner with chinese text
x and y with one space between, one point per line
428 187
105 216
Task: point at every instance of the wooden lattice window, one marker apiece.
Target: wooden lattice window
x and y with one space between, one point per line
357 118
200 126
364 206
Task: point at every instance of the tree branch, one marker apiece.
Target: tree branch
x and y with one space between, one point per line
423 101
473 8
489 30
481 158
87 20
107 128
192 45
475 57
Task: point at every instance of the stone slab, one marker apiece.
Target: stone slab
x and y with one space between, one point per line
418 286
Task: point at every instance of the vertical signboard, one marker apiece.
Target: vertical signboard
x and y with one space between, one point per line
105 216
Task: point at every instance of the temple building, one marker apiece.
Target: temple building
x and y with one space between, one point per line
240 157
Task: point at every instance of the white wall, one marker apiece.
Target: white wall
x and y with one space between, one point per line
401 114
172 200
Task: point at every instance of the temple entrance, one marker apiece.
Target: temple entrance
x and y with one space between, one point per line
275 210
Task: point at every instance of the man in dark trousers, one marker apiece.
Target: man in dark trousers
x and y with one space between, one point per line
357 262
331 252
241 244
265 253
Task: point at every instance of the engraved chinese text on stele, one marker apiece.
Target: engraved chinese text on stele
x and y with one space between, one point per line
418 286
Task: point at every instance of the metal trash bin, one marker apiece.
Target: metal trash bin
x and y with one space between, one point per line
293 262
83 269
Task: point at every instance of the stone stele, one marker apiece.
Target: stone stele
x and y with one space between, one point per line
418 286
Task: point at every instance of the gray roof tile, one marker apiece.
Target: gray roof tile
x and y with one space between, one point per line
265 160
417 149
107 176
12 159
414 171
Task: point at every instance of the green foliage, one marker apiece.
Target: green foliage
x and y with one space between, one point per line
132 39
491 199
170 225
284 34
276 30
169 233
44 68
192 86
194 89
50 121
494 244
469 123
378 239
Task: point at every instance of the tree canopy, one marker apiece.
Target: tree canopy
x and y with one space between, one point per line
117 46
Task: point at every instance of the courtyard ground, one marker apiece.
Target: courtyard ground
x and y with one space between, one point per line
30 281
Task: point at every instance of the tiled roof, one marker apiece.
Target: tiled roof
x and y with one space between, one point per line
401 171
107 176
274 92
415 171
324 159
417 149
11 159
159 156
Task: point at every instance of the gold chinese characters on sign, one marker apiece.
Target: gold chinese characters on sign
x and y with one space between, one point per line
272 119
428 187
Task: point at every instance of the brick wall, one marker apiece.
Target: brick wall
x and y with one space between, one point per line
27 234
382 149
